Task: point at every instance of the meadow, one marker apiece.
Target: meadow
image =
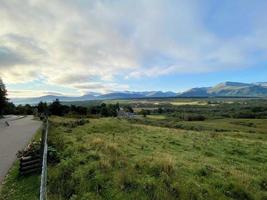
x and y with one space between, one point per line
111 158
182 149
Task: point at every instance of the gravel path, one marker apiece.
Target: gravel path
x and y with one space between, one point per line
13 138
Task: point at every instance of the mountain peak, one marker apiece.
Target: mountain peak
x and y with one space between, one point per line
233 84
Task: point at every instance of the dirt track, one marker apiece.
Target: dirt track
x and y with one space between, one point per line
13 138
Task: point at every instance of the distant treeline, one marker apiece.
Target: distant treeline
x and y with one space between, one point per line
250 109
56 108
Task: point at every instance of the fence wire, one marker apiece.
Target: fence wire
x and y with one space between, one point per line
43 195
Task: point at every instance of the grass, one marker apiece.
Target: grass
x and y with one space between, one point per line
159 117
16 187
109 158
20 188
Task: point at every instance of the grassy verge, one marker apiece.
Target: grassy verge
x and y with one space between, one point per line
115 159
20 188
16 187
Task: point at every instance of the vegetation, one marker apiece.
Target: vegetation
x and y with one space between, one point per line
115 159
17 187
168 149
3 98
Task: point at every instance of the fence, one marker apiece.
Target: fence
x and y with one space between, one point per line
44 162
30 164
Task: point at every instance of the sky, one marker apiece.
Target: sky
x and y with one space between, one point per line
74 47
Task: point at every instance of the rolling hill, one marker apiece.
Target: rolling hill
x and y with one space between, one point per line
96 96
228 89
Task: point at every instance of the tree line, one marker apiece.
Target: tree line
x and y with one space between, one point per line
59 109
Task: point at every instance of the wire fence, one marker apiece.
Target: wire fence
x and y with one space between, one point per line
43 195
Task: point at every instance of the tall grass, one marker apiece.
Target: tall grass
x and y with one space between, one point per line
114 159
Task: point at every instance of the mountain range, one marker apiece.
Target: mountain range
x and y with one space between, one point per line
226 89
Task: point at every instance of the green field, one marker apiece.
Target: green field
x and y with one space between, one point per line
182 149
110 158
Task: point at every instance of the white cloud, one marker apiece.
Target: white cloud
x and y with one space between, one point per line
31 93
100 87
70 43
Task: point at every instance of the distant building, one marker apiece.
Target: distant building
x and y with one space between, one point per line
123 114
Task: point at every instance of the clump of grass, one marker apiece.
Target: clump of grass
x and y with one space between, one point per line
205 171
112 148
97 143
157 165
126 180
104 165
263 184
165 164
237 192
60 179
93 155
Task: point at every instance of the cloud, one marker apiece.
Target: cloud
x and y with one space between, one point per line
31 93
88 44
100 87
8 57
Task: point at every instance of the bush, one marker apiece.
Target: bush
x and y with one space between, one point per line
237 192
193 117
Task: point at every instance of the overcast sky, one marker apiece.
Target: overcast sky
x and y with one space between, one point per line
73 47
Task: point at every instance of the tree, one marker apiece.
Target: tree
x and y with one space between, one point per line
160 110
42 108
10 108
56 108
3 98
128 108
24 109
104 110
79 110
145 112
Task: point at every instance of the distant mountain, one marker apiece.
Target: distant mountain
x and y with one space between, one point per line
229 89
264 84
160 94
95 96
226 89
195 92
120 95
47 98
135 95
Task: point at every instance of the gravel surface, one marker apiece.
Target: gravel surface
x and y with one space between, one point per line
13 138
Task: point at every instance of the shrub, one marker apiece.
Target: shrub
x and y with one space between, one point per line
263 184
193 117
237 192
53 155
126 180
205 171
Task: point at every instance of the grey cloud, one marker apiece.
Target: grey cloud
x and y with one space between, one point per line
8 57
72 78
24 42
53 93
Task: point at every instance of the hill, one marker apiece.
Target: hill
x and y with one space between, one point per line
229 89
226 89
95 96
